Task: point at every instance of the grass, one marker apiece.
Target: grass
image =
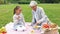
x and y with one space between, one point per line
51 10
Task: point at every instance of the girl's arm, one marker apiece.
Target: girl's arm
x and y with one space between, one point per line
15 20
18 18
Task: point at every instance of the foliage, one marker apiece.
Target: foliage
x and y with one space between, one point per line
1 1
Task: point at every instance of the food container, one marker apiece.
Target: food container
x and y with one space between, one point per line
52 30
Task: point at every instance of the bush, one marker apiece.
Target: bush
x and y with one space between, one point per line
26 2
49 1
1 1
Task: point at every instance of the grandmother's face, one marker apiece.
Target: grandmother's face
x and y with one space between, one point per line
34 8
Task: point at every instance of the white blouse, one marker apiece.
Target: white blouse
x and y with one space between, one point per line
20 20
39 15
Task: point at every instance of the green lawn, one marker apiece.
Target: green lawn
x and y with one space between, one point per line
51 10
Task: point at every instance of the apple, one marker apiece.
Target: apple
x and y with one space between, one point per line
46 26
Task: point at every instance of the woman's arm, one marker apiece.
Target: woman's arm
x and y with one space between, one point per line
44 17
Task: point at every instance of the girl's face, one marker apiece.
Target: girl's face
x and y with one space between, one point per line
34 8
18 11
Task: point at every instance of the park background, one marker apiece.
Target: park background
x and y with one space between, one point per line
51 8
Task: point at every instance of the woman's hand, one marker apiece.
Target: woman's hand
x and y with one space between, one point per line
38 22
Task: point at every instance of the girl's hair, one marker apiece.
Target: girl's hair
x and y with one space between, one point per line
16 8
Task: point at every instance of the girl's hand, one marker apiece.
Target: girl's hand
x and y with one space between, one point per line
18 17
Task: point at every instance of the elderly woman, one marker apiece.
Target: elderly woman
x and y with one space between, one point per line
38 15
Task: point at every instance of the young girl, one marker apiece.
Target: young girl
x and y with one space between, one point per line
18 18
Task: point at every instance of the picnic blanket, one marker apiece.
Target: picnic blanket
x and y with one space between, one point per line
29 29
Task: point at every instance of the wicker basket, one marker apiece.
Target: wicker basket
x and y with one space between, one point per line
52 31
